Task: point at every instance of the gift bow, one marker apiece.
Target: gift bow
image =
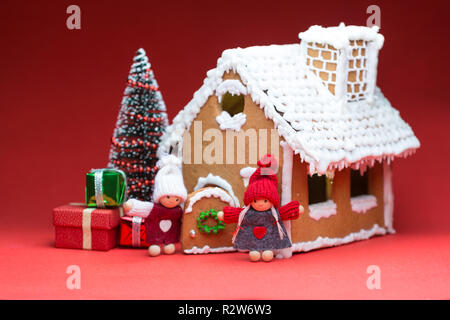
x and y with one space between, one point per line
98 185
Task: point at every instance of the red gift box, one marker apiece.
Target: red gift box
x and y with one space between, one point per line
132 232
80 227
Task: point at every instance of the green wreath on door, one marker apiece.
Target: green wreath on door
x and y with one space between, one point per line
204 228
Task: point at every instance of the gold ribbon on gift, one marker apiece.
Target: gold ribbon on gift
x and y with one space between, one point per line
86 227
86 220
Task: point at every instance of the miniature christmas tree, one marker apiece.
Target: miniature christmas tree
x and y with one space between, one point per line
141 122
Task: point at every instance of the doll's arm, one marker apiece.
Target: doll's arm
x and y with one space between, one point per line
231 214
137 208
291 210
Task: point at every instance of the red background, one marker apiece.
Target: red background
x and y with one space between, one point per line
60 95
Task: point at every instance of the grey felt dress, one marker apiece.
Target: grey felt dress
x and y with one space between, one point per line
259 232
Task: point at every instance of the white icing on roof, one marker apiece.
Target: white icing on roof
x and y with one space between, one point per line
340 37
327 133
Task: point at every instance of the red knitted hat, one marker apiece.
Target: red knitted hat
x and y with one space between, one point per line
263 183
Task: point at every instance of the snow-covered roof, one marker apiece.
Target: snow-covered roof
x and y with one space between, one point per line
328 133
340 37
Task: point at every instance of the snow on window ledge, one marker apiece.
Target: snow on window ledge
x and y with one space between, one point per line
226 121
324 209
363 203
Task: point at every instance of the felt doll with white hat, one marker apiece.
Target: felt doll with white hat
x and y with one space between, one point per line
163 215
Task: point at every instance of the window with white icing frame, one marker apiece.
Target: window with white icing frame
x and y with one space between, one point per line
361 200
233 104
321 204
231 97
232 116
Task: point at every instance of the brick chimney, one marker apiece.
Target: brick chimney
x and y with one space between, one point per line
345 58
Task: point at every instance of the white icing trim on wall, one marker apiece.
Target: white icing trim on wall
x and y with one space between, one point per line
331 242
324 209
217 181
363 203
372 64
207 193
246 173
235 87
388 195
286 174
207 249
226 121
286 193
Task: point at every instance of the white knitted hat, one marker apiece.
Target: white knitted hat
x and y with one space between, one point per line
169 179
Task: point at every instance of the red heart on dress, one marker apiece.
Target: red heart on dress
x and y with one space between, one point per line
259 232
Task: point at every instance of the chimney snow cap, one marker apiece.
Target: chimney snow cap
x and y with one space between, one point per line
340 37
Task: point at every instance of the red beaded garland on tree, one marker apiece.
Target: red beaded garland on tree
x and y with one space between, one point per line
141 122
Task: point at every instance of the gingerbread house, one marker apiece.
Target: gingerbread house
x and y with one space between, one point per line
315 105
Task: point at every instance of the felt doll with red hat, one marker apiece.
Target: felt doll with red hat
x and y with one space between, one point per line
163 215
260 228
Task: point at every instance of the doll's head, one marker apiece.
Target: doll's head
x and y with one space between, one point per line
262 187
169 201
261 204
169 189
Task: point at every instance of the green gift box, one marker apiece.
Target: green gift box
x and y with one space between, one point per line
105 188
